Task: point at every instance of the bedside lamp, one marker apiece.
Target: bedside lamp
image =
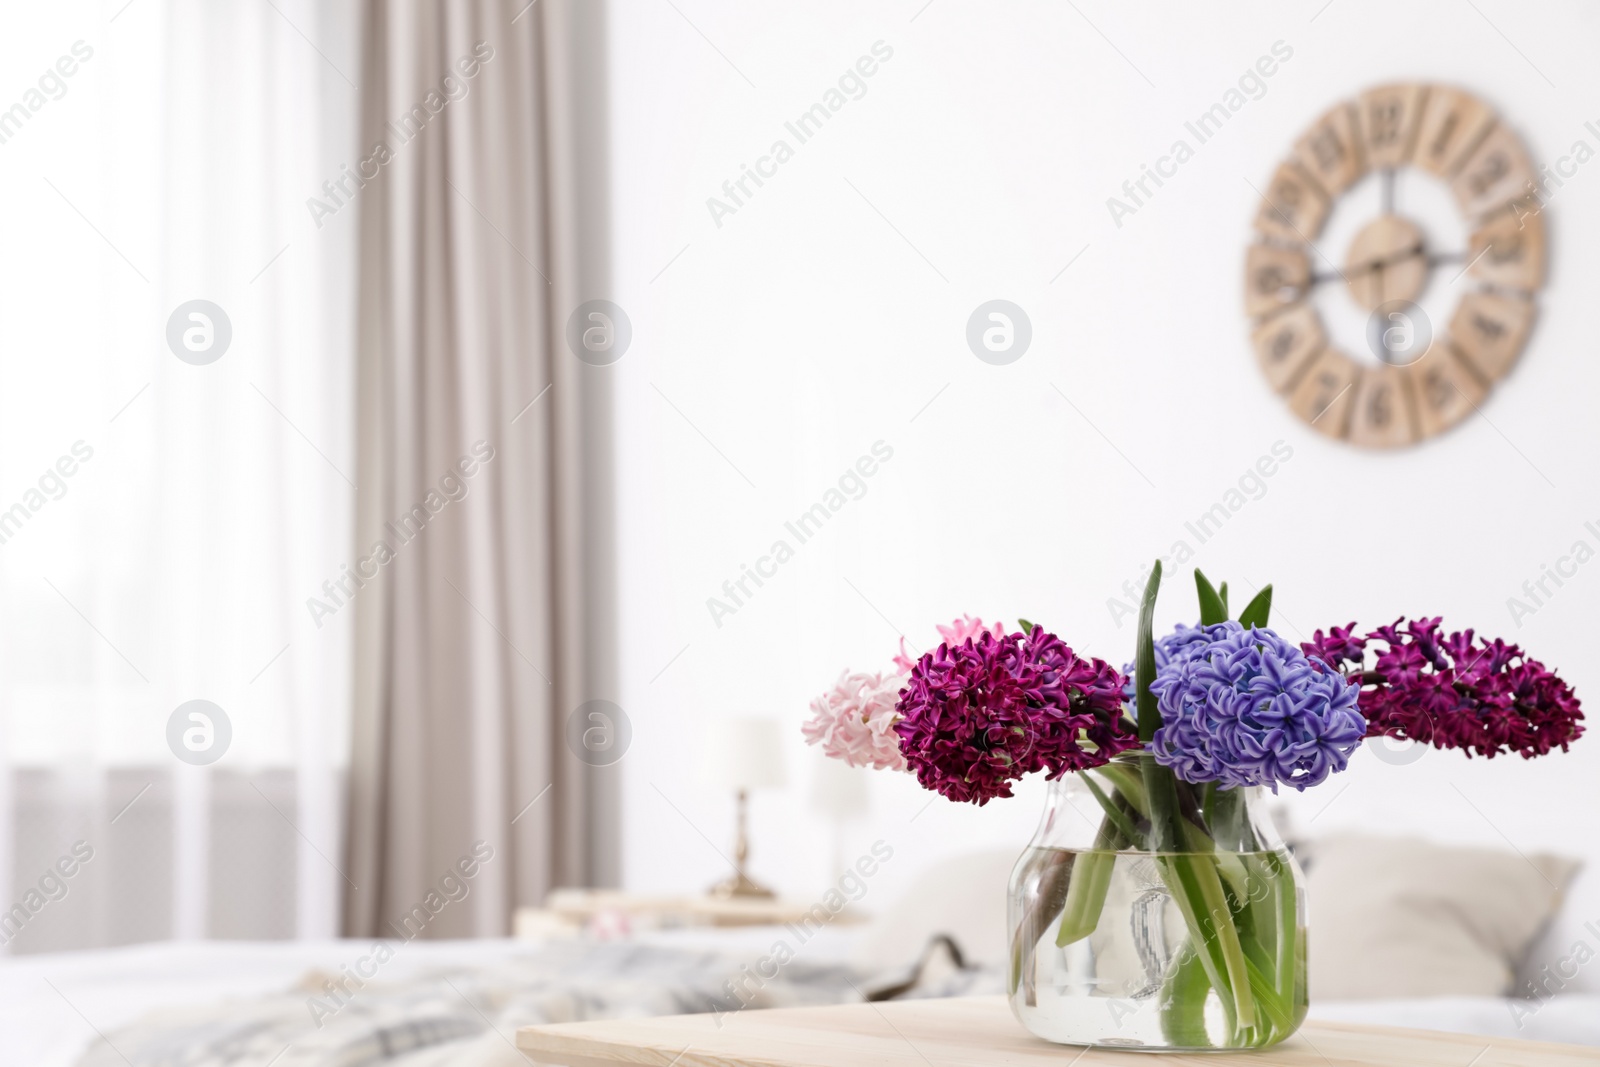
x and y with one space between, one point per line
745 753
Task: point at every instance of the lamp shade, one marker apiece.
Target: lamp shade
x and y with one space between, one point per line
745 752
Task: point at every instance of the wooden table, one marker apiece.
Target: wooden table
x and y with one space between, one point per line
980 1032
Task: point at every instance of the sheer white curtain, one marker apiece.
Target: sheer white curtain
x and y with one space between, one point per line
163 521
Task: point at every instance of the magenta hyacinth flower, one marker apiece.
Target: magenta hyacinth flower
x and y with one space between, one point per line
1459 691
977 716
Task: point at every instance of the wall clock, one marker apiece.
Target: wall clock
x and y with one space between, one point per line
1408 378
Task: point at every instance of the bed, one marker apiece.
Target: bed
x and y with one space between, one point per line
433 1004
458 1003
420 1002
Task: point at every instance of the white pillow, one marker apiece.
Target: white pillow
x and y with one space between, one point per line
964 897
1566 958
1393 917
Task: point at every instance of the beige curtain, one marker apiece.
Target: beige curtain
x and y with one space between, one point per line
482 595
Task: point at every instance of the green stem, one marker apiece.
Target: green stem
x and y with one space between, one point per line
1196 885
1118 818
1266 996
1220 919
1052 895
1087 885
1127 782
1089 878
1177 877
1183 994
1287 927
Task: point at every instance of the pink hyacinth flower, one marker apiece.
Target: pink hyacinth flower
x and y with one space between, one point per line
955 635
854 721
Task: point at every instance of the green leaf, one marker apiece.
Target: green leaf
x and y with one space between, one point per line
1144 659
1212 609
1256 612
1222 593
1087 885
1027 627
1118 818
1128 783
1186 988
1204 884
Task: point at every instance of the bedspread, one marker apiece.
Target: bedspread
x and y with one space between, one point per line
356 1015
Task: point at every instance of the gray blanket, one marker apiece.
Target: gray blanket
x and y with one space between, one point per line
464 1015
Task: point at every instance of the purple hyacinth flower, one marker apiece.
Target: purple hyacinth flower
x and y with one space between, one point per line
1245 707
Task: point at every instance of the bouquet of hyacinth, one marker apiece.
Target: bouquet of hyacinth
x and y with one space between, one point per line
1168 746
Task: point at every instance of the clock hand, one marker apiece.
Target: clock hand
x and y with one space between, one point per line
1378 264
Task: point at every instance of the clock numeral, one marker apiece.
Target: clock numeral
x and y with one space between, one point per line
1329 151
1383 417
1490 171
1323 397
1286 343
1490 330
1444 136
1384 125
1380 410
1452 125
1292 207
1326 149
1274 278
1327 391
1389 115
1447 391
1288 197
1270 279
1508 250
1496 174
1436 389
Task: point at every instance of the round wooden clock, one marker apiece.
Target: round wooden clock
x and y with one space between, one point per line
1406 380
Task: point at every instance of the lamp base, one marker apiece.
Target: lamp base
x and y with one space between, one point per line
739 886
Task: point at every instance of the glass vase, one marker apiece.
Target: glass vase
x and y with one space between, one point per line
1152 913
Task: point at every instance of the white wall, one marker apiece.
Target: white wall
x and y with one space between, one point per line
805 328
